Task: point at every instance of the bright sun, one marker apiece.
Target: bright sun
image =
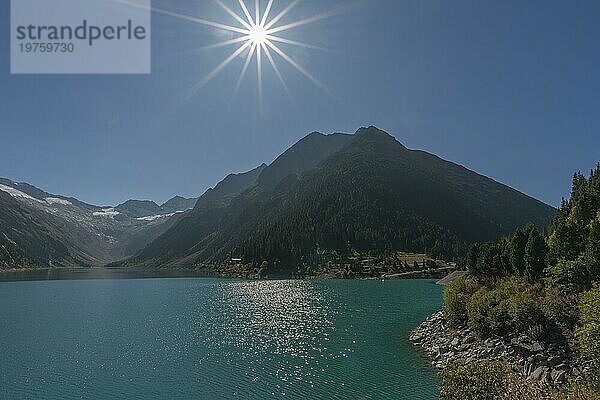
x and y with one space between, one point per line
257 36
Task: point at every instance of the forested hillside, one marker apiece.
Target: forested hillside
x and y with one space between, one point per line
371 197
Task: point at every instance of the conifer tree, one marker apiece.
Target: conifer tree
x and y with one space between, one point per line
568 241
535 256
489 261
505 251
472 259
517 252
592 251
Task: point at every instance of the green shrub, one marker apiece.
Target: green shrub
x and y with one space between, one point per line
512 305
498 316
456 296
455 309
487 312
524 312
559 306
498 381
580 390
474 381
492 307
568 273
587 334
478 308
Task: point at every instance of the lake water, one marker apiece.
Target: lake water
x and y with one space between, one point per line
204 338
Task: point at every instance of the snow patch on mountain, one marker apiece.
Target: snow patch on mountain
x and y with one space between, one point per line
106 212
55 200
155 217
17 193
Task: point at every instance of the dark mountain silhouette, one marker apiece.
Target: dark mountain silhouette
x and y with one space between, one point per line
231 186
340 195
327 198
303 156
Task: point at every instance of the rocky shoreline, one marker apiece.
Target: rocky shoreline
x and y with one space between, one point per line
548 363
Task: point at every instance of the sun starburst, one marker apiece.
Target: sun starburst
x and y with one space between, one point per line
258 35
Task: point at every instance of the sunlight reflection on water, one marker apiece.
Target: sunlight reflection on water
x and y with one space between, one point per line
214 339
284 319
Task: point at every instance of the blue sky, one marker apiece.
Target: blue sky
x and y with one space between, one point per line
507 88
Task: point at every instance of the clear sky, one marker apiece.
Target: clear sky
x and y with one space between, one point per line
510 89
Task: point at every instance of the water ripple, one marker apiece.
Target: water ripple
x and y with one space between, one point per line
213 339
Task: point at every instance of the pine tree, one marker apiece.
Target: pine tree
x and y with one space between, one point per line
472 259
592 251
568 241
517 252
594 188
489 261
535 256
505 250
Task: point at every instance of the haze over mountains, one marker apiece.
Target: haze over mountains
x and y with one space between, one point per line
327 198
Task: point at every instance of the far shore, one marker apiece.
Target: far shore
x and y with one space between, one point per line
112 272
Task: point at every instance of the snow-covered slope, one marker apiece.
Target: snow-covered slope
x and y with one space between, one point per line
93 235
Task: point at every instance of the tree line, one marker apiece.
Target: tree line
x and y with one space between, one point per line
568 252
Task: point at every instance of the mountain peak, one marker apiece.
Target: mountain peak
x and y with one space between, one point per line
178 204
371 130
139 208
306 154
231 186
373 134
178 198
132 202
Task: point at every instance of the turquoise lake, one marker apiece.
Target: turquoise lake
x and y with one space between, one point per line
204 338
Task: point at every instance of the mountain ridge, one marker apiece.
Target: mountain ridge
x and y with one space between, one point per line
73 233
289 218
326 199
